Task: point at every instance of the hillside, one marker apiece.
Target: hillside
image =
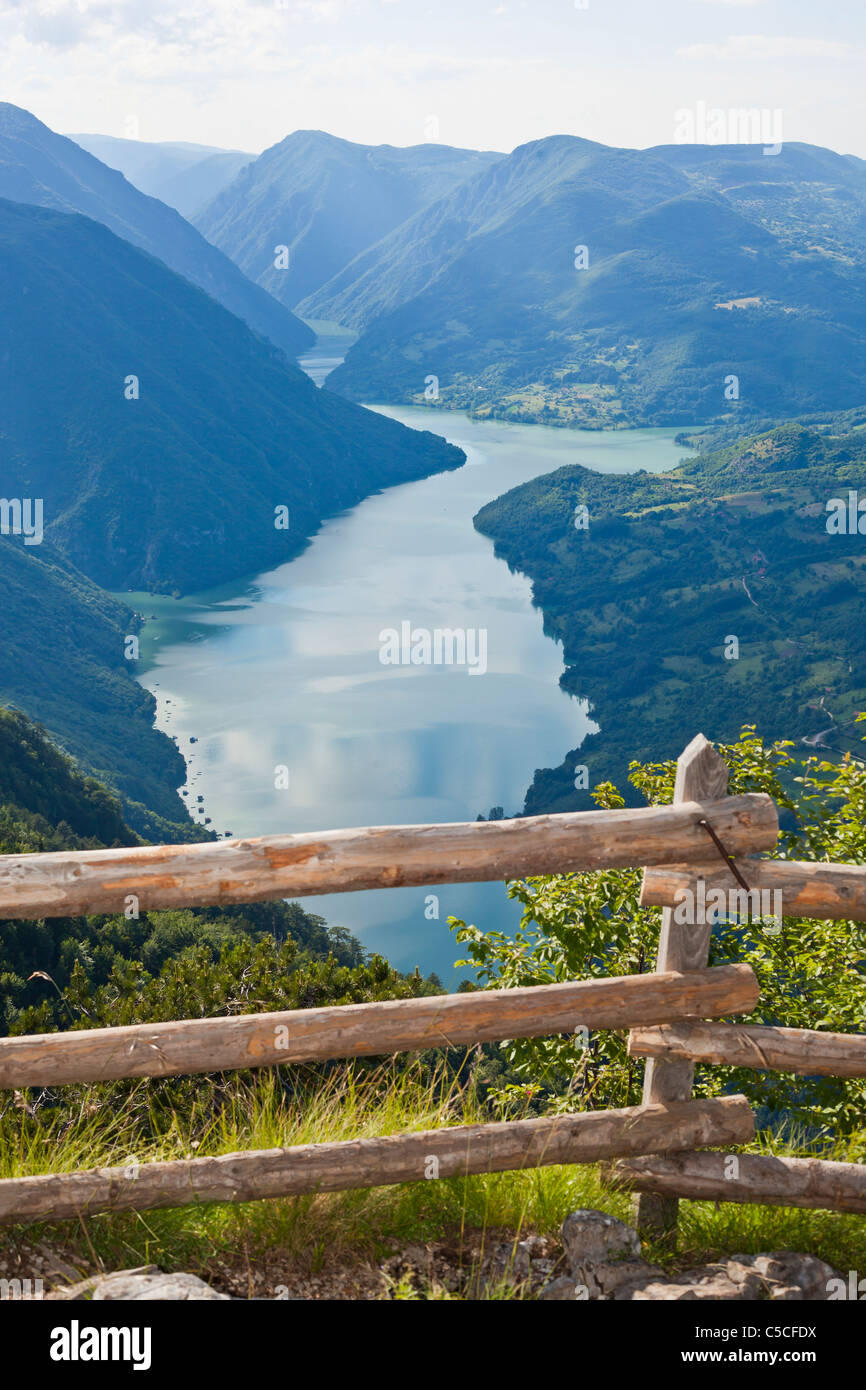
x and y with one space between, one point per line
185 176
175 490
62 662
733 544
682 289
40 167
395 270
45 802
812 199
327 200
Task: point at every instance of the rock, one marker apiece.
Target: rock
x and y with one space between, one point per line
52 1266
744 1280
787 1276
83 1288
783 1276
604 1258
634 1288
715 1291
529 1261
709 1283
146 1282
613 1280
602 1252
593 1237
39 1268
564 1291
164 1288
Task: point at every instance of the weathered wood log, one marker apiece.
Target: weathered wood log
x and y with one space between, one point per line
822 891
362 1030
767 1181
683 945
340 861
438 1153
798 1050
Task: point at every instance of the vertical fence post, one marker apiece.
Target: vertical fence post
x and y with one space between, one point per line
701 776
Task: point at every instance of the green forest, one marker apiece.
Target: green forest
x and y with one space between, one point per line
661 570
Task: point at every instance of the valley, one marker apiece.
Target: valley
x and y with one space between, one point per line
691 262
432 668
301 683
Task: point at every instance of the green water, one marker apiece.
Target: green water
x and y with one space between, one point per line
285 671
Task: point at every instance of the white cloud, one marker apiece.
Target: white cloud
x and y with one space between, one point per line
196 23
243 73
765 47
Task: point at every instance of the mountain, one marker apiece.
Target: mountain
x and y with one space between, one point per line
327 200
812 199
413 255
62 642
677 301
185 176
45 802
719 593
177 489
38 166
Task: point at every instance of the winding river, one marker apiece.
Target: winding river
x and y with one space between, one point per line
285 672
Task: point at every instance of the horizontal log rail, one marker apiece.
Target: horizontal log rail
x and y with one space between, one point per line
822 891
356 1163
340 861
365 1030
669 1014
801 1051
754 1178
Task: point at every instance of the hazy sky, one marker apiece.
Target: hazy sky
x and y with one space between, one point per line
244 73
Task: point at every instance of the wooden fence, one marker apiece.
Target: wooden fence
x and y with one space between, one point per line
704 837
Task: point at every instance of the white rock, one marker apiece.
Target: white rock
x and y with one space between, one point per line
154 1287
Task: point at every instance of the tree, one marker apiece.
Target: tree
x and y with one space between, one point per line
812 974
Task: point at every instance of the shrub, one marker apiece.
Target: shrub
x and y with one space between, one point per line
812 974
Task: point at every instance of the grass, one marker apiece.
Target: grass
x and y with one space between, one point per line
306 1236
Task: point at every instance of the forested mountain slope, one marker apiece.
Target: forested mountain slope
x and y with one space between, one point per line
185 176
38 166
326 200
62 645
573 283
723 592
160 431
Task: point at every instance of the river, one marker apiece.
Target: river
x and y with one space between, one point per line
284 672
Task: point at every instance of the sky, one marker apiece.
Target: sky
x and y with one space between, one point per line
487 74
